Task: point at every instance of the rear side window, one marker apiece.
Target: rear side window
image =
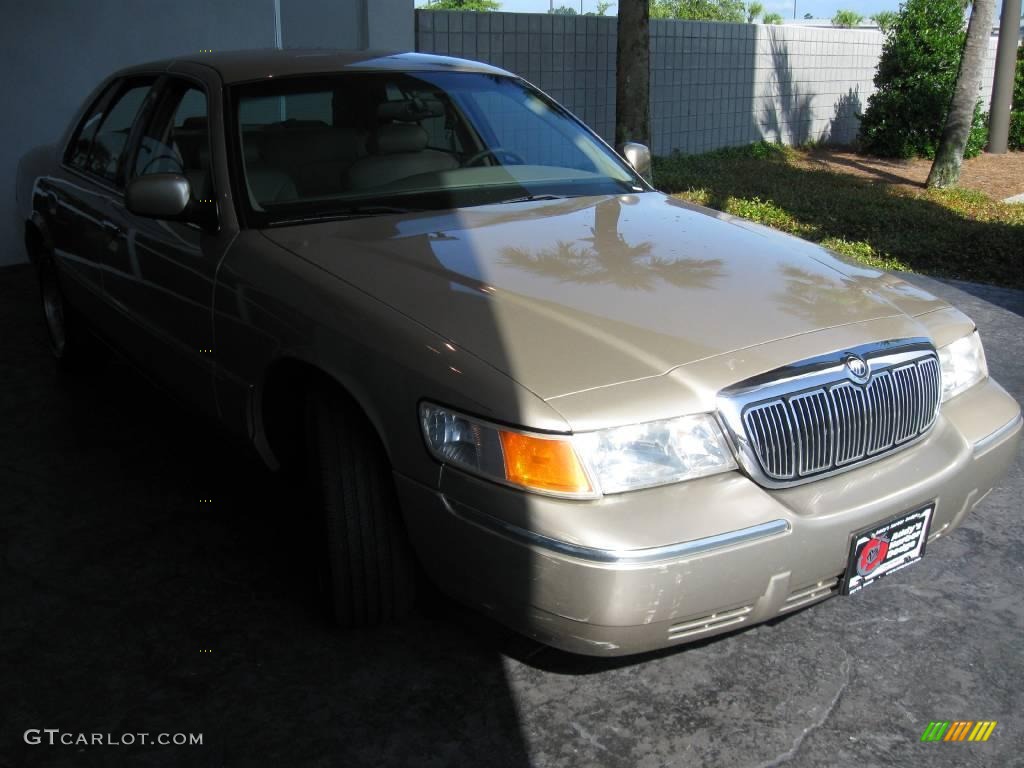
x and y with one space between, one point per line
78 150
111 139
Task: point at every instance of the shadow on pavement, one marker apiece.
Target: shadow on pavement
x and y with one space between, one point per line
154 579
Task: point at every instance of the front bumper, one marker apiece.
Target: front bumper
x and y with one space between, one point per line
653 568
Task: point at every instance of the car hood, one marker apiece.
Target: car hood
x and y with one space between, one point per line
569 295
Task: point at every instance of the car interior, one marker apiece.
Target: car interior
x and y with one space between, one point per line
361 139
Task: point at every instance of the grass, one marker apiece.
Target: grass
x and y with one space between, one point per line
956 233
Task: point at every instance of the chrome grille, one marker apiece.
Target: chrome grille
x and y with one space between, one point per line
841 423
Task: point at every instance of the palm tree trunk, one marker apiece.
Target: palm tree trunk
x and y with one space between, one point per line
950 155
632 73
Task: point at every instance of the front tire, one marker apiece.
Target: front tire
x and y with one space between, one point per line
70 342
369 568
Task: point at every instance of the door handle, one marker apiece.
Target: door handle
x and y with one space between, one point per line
111 229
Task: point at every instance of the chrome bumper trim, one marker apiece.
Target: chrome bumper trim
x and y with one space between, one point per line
619 556
991 440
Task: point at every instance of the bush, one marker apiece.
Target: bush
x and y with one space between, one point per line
915 80
978 137
1017 130
462 5
1018 82
700 10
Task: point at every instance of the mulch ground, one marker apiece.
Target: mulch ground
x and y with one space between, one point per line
999 176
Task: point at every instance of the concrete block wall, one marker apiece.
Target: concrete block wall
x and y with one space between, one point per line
717 84
713 84
572 58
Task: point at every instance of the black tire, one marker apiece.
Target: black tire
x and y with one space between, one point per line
368 561
70 341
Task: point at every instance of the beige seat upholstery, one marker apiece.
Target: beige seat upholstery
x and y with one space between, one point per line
314 155
399 151
266 183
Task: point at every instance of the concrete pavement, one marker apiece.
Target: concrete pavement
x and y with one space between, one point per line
127 606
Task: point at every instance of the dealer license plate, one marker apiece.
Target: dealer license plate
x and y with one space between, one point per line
886 548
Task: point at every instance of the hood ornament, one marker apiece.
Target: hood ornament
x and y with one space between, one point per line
857 367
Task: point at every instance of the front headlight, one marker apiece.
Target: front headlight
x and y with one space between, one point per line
655 453
963 365
579 466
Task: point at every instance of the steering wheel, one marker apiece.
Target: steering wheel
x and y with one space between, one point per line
158 158
496 153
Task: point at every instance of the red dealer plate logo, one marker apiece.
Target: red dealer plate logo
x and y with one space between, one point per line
886 548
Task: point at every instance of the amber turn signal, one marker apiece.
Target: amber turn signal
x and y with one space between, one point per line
543 464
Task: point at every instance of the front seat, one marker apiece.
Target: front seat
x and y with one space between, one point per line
266 183
399 151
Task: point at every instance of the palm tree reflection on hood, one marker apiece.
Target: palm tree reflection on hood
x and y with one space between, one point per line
606 258
818 296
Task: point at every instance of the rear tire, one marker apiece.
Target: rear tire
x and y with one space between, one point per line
369 568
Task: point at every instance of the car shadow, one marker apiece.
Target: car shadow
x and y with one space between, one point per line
155 578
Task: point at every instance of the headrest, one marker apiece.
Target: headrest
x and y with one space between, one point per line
410 110
194 123
400 137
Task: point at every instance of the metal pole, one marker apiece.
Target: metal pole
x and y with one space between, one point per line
1002 84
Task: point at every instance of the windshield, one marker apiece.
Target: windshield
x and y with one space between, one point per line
371 143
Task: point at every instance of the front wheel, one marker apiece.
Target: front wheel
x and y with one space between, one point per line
70 342
369 566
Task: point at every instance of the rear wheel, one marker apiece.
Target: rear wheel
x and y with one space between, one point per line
368 567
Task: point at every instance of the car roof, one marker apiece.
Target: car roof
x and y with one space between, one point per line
259 64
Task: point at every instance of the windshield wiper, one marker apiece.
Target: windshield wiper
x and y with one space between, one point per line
348 212
531 198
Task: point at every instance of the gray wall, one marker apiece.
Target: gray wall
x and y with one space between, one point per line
570 57
54 52
712 84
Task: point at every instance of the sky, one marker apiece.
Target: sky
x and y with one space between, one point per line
821 9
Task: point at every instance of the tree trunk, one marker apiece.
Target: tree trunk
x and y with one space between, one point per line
950 155
632 73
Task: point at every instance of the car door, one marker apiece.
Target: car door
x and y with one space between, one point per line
162 273
81 200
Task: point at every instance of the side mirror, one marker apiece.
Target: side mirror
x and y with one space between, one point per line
158 195
638 156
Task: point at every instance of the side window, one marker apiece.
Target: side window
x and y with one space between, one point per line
178 140
78 150
112 137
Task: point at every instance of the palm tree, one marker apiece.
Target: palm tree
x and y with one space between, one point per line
885 20
754 12
848 19
632 73
949 157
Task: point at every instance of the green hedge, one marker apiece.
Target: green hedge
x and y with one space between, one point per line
915 80
1017 130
